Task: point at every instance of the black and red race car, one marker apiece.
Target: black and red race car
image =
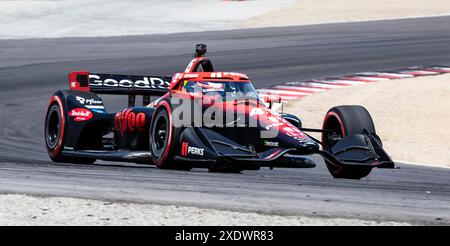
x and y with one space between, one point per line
202 118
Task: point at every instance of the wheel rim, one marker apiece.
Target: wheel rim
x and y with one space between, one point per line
159 135
53 127
329 139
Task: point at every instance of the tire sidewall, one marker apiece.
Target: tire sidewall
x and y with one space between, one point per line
55 152
355 119
162 160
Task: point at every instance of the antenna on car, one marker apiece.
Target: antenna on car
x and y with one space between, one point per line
202 64
200 50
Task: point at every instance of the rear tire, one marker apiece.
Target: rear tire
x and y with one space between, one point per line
55 126
344 121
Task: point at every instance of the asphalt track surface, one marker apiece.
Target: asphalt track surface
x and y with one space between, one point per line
31 70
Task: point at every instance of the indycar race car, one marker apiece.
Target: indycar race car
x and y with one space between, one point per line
202 118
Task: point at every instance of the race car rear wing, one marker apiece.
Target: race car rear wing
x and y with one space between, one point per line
119 84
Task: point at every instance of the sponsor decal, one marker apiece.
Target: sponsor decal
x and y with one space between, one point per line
190 76
90 103
216 75
235 74
270 143
293 132
195 151
80 114
140 82
186 150
129 121
285 127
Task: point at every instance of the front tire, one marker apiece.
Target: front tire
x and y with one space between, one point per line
344 121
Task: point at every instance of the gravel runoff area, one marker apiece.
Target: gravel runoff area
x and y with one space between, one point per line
305 12
410 115
28 210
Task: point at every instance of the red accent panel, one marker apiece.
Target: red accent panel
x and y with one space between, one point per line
184 148
80 114
55 152
140 122
207 76
117 122
129 121
74 84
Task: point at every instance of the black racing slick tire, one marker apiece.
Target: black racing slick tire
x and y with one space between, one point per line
55 128
162 139
344 121
161 131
